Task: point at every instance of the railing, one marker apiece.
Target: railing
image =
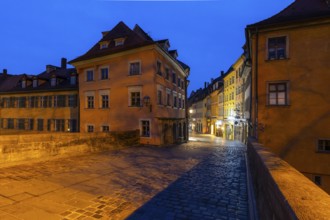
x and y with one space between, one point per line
281 191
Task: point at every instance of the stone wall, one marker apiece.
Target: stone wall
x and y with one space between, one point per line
281 191
20 148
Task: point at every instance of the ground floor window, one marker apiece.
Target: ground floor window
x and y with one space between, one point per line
59 125
90 128
21 124
145 128
105 128
40 124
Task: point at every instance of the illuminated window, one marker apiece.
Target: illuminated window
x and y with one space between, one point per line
145 128
278 94
323 145
277 48
134 68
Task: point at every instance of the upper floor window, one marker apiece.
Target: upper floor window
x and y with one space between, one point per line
72 101
134 68
90 101
277 48
119 41
53 81
104 45
159 68
105 101
35 83
159 97
174 78
89 75
73 79
278 93
135 99
323 145
167 73
104 73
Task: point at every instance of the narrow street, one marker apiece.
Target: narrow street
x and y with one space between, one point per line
203 179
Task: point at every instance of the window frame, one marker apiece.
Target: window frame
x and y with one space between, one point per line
134 89
130 73
324 150
286 48
91 77
101 73
286 92
148 135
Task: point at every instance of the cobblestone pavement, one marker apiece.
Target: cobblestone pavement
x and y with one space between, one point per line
198 180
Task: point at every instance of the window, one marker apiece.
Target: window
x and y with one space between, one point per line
318 180
277 94
21 124
183 102
35 83
105 101
167 73
72 125
49 124
90 101
33 101
30 124
159 97
276 48
323 145
22 102
104 73
119 41
105 128
90 128
145 128
23 83
135 99
174 100
179 82
61 101
53 81
179 102
89 75
159 68
10 123
173 78
134 68
73 79
104 45
72 100
59 125
40 124
168 97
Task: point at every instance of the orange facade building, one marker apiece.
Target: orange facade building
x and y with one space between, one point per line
290 55
128 81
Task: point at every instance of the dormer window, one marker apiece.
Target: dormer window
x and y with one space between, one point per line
119 41
104 44
53 81
23 83
73 79
35 83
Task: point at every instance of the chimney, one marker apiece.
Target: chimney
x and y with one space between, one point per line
222 73
63 63
4 72
205 84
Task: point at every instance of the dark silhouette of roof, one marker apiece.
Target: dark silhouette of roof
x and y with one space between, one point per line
298 11
13 83
132 39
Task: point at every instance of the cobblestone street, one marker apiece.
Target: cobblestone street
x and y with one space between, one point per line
204 179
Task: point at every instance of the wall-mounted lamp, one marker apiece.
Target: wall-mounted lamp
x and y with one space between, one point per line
147 102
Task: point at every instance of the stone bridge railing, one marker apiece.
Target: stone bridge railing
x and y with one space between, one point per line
281 191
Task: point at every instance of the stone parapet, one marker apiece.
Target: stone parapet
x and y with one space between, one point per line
281 191
15 149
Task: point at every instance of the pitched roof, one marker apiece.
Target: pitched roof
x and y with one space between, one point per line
133 39
298 11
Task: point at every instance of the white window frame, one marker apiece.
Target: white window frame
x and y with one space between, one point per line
100 72
129 67
287 93
87 94
134 89
141 128
286 46
102 93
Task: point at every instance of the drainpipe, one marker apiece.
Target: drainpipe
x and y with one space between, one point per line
256 84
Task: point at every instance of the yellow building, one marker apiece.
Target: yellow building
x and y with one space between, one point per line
129 81
39 103
290 86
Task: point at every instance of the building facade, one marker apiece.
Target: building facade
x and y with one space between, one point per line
129 81
290 86
46 102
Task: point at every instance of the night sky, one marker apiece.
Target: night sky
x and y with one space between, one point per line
208 35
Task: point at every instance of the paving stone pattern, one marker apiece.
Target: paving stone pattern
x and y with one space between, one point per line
204 180
214 189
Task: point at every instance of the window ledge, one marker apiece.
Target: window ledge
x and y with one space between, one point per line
271 60
134 74
322 151
283 106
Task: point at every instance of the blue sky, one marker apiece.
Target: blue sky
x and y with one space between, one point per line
208 35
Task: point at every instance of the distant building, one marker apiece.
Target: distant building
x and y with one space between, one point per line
39 103
129 81
290 55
